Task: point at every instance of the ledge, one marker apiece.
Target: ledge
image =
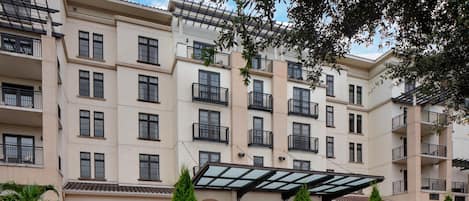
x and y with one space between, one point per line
91 59
91 98
91 137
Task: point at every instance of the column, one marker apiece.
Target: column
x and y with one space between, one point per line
445 167
413 152
279 115
239 110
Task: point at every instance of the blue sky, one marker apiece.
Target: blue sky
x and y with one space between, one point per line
371 51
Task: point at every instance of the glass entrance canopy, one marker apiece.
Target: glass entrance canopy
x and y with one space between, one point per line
246 178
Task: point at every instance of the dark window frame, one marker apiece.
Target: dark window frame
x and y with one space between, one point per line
20 148
351 152
295 70
351 96
83 159
359 124
83 44
329 111
210 155
359 100
148 46
98 85
82 118
359 153
148 160
150 118
98 41
330 85
330 147
147 81
84 76
97 160
97 118
258 161
351 122
302 165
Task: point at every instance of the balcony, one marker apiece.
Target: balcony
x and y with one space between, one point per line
459 187
209 94
302 108
260 64
430 120
399 155
204 56
399 187
20 106
432 153
21 155
212 133
260 138
399 124
260 101
433 184
20 56
303 143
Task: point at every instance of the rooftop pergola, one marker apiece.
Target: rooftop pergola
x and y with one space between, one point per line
27 15
422 97
286 182
463 164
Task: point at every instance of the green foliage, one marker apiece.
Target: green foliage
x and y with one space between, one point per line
302 194
208 56
448 198
184 189
16 192
375 194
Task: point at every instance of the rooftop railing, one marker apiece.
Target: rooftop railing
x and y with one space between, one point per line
208 56
262 64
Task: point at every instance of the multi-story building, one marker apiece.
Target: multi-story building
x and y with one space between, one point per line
108 100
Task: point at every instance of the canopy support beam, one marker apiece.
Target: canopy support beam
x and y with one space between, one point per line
241 192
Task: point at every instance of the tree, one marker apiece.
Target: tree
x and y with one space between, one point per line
302 194
12 191
430 37
184 189
375 194
448 198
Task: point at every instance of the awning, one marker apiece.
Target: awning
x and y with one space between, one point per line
246 178
461 163
422 96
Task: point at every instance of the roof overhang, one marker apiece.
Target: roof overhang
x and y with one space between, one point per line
422 97
246 178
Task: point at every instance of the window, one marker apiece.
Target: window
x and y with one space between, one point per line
99 172
85 165
359 123
359 153
256 62
409 85
84 83
147 50
329 147
209 124
351 152
84 44
98 124
359 95
434 196
329 116
295 70
258 161
329 85
209 83
84 123
97 46
205 157
351 123
17 95
301 129
147 88
258 92
351 94
148 126
18 44
200 50
149 167
98 85
18 149
301 98
301 165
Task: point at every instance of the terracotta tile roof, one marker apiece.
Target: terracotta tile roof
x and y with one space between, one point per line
352 198
107 187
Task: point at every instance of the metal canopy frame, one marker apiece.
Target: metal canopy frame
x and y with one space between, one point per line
29 16
246 178
463 164
433 97
197 12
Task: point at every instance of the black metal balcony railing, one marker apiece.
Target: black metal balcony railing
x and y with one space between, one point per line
17 154
303 143
207 132
260 101
20 44
209 94
399 121
209 55
459 187
260 138
433 184
399 187
433 150
399 153
434 117
20 97
303 108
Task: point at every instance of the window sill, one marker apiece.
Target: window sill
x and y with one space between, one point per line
91 59
151 180
332 96
90 179
146 139
92 137
356 105
91 98
359 134
149 63
330 126
354 162
330 157
148 101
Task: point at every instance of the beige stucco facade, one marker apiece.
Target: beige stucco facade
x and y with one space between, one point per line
53 122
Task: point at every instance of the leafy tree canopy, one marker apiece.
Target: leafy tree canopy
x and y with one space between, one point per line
184 189
16 192
430 37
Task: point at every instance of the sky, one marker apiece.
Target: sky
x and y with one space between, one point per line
368 51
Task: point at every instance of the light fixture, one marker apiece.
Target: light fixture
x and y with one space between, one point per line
281 158
241 154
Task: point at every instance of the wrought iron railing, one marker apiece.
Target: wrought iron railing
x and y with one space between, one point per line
303 108
459 187
260 101
209 94
399 153
18 154
260 138
212 56
399 187
20 44
399 121
433 184
11 96
208 132
303 143
433 150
